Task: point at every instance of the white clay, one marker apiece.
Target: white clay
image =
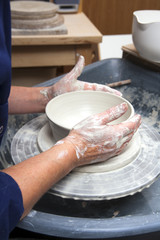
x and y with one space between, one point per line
68 109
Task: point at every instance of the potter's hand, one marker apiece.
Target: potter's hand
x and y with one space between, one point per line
70 83
96 141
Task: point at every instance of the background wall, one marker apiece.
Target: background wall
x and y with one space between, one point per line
115 16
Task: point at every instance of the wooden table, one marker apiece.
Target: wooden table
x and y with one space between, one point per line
57 50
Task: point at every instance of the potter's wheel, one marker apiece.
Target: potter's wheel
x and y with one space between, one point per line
142 170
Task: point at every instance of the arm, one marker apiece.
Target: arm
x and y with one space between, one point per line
28 99
37 174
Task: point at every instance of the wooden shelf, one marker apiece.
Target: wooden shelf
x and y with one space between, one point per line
80 31
57 50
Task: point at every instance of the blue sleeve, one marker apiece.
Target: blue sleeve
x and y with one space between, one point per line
3 119
5 63
11 205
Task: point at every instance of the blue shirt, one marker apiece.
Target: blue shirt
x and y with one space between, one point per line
11 207
5 63
11 204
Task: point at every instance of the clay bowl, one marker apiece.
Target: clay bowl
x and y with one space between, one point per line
66 110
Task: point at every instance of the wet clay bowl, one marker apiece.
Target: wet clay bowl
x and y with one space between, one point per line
66 110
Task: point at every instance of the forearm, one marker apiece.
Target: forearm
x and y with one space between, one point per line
28 99
37 174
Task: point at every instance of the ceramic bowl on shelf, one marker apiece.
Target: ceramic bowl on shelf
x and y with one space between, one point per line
66 110
146 34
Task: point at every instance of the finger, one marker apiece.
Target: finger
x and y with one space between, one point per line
113 113
104 117
128 126
77 70
100 87
109 115
135 122
124 143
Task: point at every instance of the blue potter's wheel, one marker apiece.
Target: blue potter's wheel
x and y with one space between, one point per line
124 217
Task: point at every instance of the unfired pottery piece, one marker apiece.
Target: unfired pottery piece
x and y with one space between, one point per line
66 110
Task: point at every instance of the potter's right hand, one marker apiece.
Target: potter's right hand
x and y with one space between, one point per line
94 140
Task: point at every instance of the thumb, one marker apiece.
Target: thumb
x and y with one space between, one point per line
77 70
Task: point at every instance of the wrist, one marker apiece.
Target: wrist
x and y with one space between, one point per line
67 151
79 147
46 94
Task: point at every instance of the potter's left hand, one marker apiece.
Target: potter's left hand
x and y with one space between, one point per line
70 83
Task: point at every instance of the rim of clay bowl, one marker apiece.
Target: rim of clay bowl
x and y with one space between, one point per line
83 92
